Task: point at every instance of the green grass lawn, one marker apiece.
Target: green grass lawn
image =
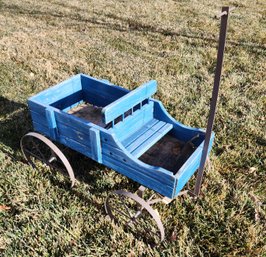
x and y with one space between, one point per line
128 43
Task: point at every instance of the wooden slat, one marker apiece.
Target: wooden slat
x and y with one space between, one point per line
129 140
74 134
96 149
128 101
81 148
158 173
66 109
133 122
37 107
100 92
190 166
138 176
39 118
75 122
50 119
41 128
60 91
150 141
180 131
68 101
142 137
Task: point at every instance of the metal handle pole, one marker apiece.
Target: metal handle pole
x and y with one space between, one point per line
222 37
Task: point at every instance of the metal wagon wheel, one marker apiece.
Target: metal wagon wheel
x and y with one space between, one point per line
37 148
136 215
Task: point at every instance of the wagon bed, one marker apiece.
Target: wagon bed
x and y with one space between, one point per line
127 131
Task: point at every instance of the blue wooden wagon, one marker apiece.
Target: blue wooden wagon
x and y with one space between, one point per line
127 131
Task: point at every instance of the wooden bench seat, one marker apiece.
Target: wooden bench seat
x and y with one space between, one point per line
145 137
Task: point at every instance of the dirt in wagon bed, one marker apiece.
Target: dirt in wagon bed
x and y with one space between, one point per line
168 153
88 112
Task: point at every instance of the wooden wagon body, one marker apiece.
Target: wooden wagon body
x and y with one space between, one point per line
127 131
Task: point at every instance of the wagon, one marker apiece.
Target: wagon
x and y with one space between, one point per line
127 131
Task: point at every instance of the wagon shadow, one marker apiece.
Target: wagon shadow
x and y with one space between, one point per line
15 122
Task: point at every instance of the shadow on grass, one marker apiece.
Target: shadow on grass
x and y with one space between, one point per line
15 122
128 24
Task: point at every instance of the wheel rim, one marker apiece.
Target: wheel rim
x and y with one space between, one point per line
37 148
135 214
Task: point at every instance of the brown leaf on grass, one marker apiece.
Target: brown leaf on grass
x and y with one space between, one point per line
4 208
257 206
173 236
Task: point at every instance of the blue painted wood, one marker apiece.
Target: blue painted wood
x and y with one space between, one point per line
75 122
74 134
37 107
128 101
72 106
138 176
180 131
68 101
142 137
100 92
101 85
41 128
147 140
81 148
153 177
55 93
117 155
111 142
96 149
190 167
143 129
133 122
40 118
50 117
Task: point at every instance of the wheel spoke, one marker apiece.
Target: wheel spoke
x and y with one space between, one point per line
121 212
37 147
34 155
126 207
136 214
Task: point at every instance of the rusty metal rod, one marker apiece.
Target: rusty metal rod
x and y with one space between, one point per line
215 92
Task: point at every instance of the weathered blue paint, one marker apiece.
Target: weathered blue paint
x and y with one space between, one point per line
96 148
148 137
133 122
128 101
143 121
51 122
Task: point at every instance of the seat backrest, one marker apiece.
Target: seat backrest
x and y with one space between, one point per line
135 99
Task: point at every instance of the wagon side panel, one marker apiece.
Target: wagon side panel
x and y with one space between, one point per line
100 92
116 157
38 116
81 136
190 167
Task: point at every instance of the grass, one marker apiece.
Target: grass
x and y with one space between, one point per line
128 43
